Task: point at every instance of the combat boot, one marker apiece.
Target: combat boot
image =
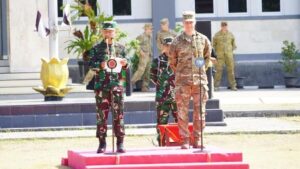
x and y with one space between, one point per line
197 143
233 88
102 145
120 145
185 143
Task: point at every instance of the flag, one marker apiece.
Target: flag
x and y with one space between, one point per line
66 16
42 30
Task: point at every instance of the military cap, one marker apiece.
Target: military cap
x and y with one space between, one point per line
109 25
168 40
223 23
147 25
164 21
188 16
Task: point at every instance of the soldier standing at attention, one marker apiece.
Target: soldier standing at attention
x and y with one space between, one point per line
109 86
143 70
224 44
187 47
164 32
163 77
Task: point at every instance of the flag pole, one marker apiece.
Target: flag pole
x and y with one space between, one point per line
53 26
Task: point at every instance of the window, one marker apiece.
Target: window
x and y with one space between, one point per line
204 6
271 5
121 7
60 11
237 6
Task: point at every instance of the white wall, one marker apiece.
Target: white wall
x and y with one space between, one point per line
26 47
262 36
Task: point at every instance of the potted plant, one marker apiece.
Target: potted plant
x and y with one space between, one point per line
85 40
289 55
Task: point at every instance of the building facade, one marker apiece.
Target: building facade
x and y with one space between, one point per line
259 26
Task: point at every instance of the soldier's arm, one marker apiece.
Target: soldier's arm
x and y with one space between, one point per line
173 57
207 52
154 71
158 42
233 43
215 42
94 63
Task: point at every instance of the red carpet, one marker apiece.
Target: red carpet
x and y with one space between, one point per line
166 157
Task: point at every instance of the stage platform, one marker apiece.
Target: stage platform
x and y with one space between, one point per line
160 157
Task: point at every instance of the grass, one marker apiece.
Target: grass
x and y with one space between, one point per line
260 151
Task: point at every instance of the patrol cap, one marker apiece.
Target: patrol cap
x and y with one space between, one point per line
109 25
147 25
168 40
188 16
224 23
164 21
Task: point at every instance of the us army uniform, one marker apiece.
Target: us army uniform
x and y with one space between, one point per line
163 77
143 70
161 35
188 77
109 88
224 44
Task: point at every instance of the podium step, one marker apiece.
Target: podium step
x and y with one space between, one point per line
170 157
219 165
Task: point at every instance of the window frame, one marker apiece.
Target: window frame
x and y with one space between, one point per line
247 13
215 9
261 12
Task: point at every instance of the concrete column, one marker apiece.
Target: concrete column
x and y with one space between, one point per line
162 9
53 38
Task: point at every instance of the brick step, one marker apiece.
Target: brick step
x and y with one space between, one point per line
169 156
219 165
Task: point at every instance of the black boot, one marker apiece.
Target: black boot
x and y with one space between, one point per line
120 145
102 145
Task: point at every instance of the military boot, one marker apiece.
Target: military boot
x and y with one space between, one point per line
120 145
186 143
102 145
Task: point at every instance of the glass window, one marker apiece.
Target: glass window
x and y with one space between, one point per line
121 7
271 5
237 6
60 11
204 6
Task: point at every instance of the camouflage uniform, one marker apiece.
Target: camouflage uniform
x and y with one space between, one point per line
187 80
163 77
143 70
161 35
106 85
224 44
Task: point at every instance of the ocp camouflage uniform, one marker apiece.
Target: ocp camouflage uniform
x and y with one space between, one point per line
163 77
183 51
161 35
224 44
143 70
105 87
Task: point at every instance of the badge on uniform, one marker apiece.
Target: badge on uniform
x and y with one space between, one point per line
199 62
113 65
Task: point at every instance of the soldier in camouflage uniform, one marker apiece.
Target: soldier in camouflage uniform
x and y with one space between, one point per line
163 77
224 44
163 33
143 70
109 86
185 49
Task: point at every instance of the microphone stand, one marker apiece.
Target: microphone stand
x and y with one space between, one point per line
199 63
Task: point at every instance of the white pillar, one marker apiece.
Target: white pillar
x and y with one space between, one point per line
53 26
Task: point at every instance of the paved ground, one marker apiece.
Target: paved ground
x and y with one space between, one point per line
234 126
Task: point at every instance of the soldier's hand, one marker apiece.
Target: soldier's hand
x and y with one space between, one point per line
213 60
123 62
103 64
142 53
96 69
